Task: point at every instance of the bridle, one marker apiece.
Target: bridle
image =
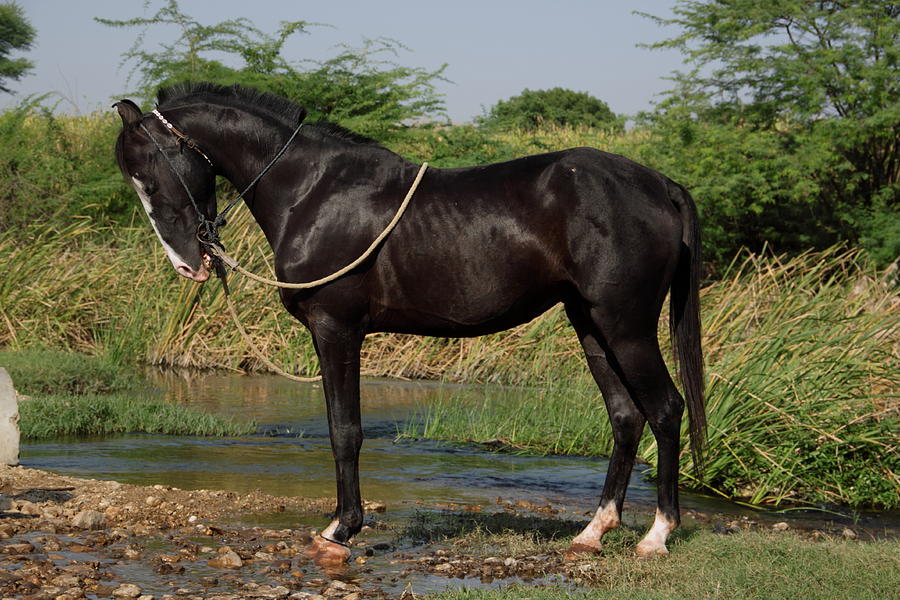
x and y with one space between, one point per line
208 229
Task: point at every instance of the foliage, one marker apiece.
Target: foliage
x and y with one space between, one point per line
802 400
752 189
360 88
55 168
16 33
558 106
70 284
817 79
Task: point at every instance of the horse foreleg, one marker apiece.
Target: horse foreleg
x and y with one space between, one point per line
338 349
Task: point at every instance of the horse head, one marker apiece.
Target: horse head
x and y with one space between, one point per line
176 187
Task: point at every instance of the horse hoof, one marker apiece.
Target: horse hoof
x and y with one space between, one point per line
327 554
577 551
649 551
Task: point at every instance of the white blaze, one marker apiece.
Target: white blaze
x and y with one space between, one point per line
177 260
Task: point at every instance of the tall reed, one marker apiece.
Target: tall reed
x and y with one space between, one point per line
803 363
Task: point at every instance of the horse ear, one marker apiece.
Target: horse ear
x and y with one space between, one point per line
129 111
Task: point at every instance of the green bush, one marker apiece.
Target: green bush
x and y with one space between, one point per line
57 168
533 109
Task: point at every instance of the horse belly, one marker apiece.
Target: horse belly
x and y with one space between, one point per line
465 290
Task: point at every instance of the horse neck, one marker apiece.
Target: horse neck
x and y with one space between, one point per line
240 148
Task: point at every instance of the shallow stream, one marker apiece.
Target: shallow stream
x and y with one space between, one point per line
291 455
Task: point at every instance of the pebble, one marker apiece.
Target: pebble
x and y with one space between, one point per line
782 526
89 519
226 560
127 590
848 534
23 548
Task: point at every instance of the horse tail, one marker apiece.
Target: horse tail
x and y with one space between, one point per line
684 321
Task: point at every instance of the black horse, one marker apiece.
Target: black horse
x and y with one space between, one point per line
480 249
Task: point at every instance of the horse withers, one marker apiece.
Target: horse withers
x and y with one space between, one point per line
480 249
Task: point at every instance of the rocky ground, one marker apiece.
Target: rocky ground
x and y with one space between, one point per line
66 538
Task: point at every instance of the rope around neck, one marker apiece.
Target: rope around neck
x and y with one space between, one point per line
233 264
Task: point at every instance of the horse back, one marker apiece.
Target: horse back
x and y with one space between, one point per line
486 248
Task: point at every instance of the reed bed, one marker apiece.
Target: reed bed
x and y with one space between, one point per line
802 356
803 366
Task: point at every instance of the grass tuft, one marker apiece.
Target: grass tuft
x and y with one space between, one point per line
90 415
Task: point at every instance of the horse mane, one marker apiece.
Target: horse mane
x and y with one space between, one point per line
281 109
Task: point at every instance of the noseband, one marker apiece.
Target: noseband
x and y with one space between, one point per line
208 230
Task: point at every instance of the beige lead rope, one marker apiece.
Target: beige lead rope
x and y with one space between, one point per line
235 266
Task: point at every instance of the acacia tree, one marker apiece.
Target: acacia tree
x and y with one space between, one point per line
821 75
363 89
16 33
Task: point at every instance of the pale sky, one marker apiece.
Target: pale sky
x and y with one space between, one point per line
494 49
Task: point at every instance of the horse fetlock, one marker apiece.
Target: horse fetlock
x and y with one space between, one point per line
588 541
654 543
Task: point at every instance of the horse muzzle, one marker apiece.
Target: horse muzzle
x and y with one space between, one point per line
199 275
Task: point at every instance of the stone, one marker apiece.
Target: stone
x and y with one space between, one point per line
9 421
226 560
89 519
127 590
848 534
782 526
23 548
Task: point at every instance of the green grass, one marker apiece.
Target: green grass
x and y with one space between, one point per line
68 394
91 415
744 566
50 371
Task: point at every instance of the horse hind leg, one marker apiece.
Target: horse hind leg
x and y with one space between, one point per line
641 367
636 386
627 425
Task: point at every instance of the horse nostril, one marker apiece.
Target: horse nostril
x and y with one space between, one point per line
185 271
